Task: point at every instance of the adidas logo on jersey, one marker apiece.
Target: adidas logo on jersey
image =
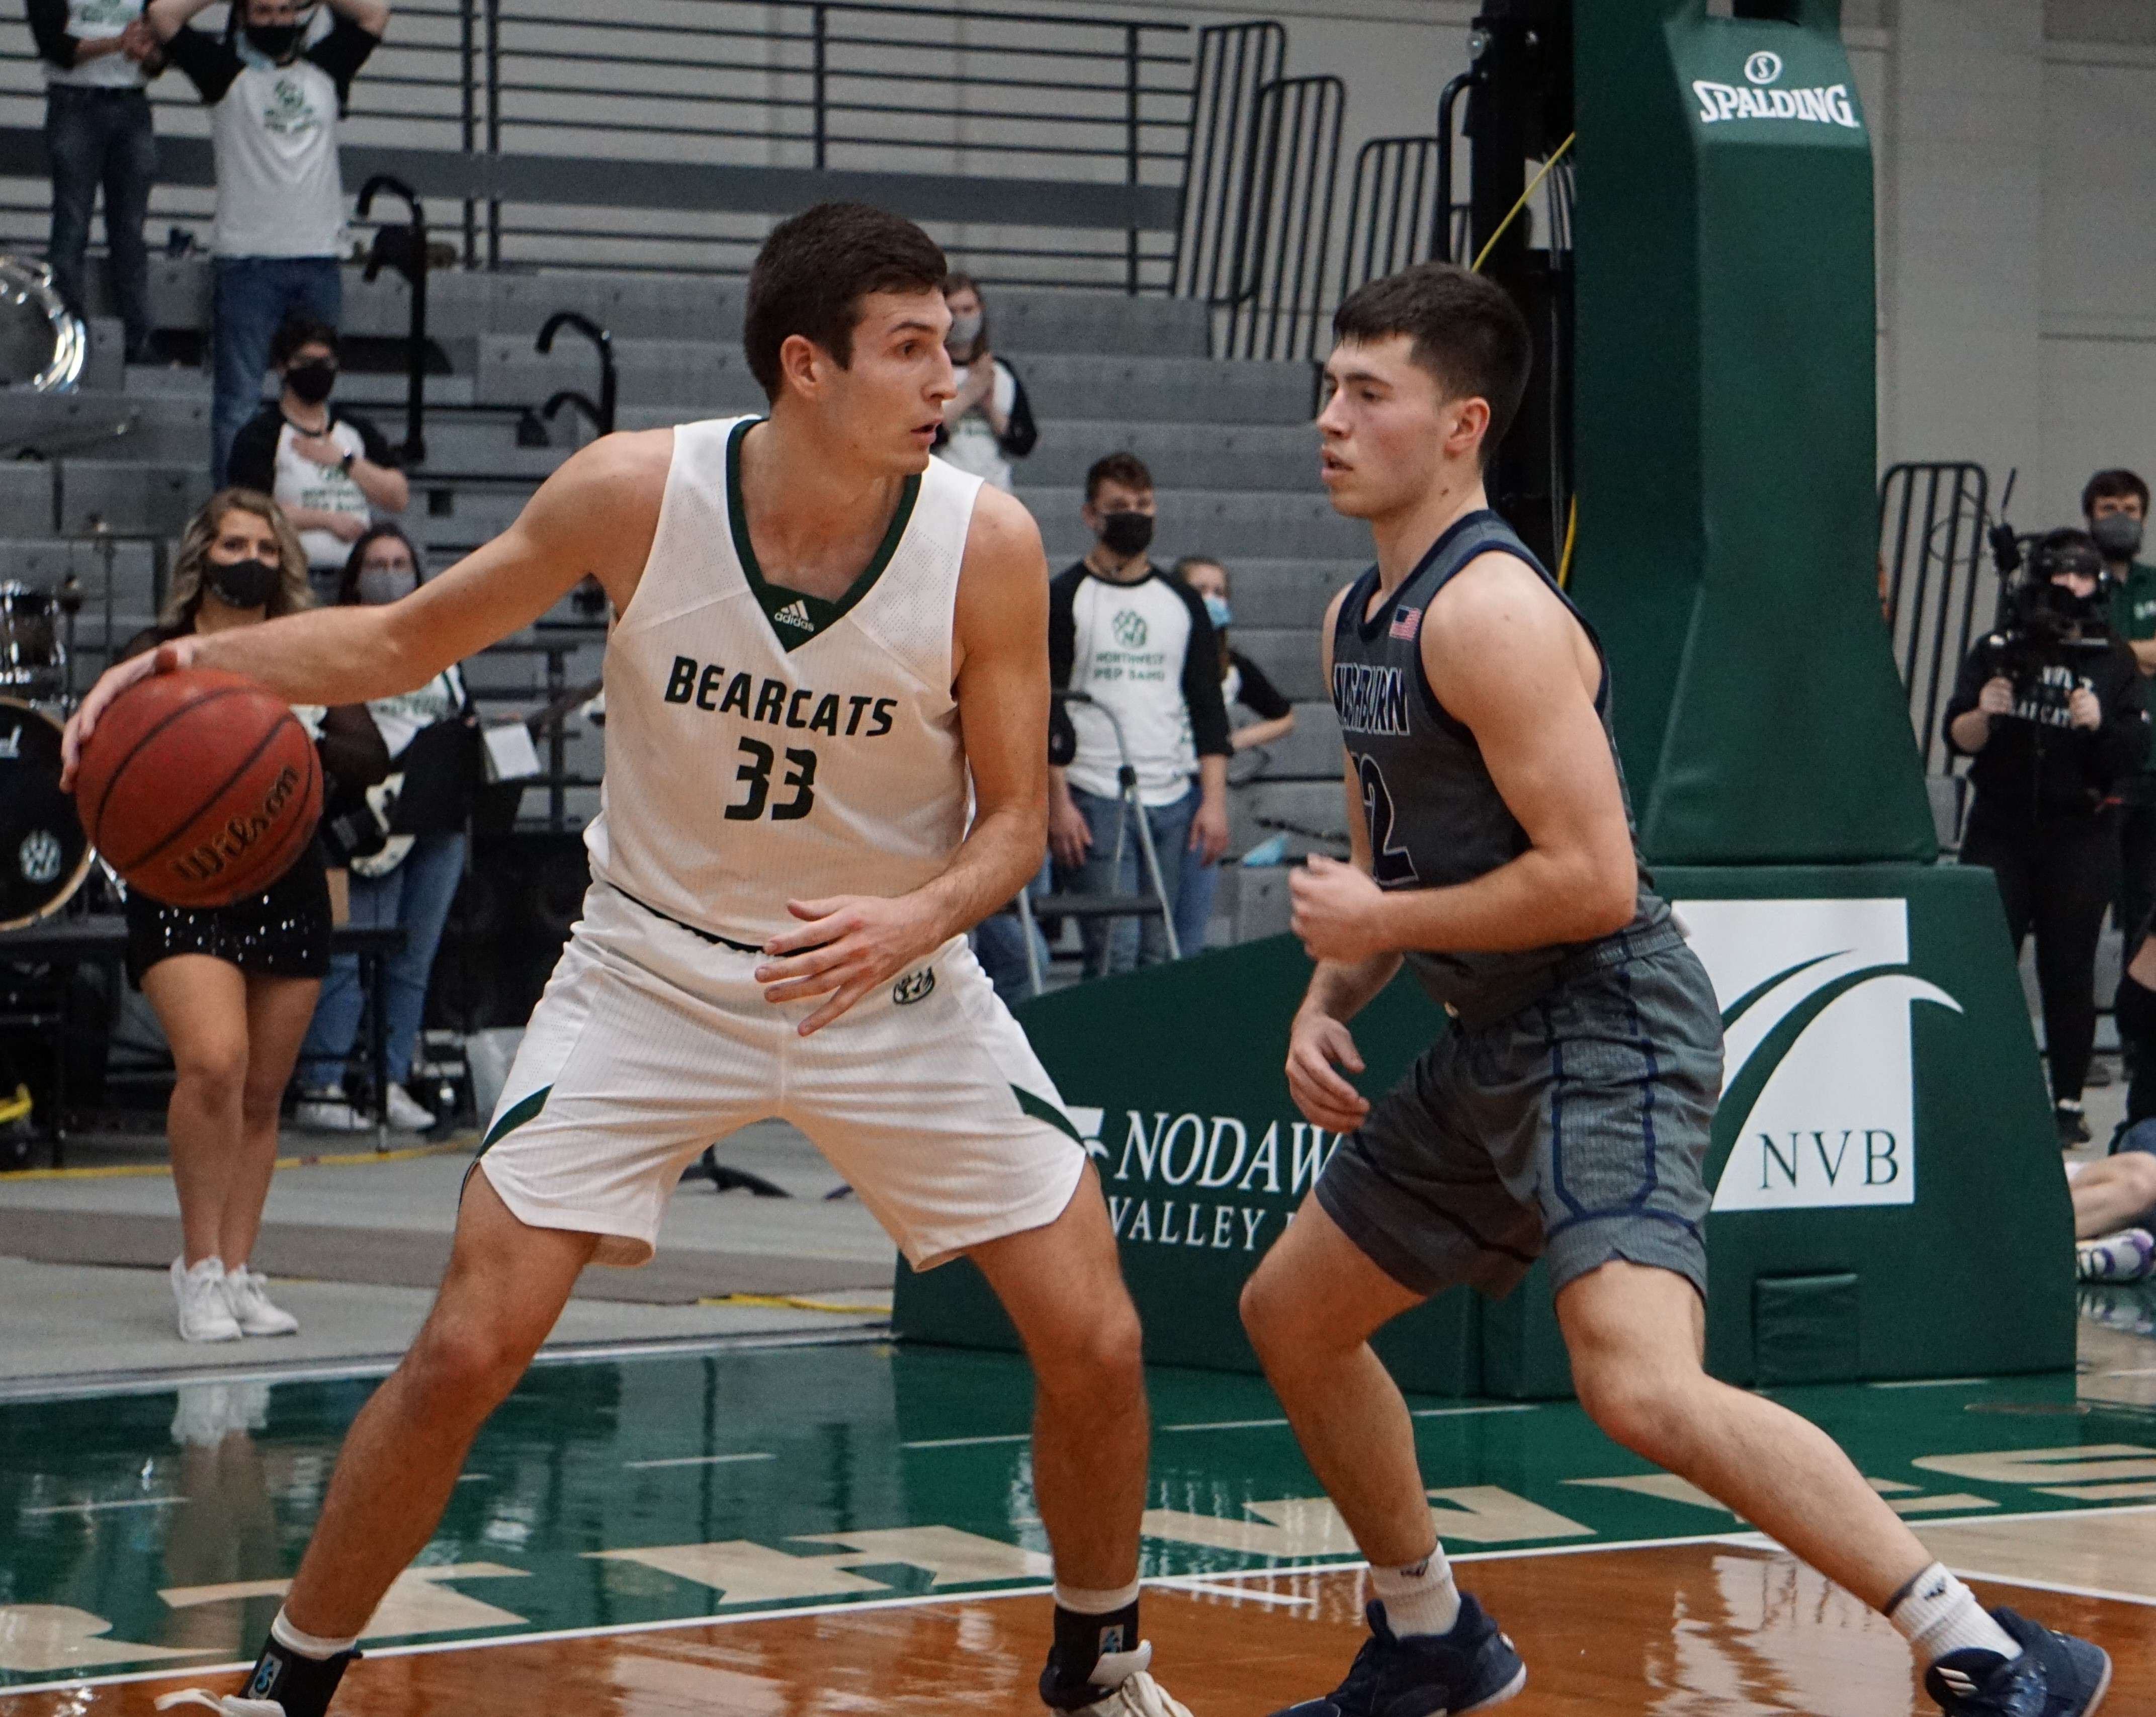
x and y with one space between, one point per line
795 614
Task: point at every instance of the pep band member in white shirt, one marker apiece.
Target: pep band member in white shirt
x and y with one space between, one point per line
274 104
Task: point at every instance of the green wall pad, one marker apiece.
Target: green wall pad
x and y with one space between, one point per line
1804 1328
1883 1105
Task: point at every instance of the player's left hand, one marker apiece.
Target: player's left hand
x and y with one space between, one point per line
849 944
1335 911
2084 710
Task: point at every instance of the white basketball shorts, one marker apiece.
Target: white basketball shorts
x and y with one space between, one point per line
650 1043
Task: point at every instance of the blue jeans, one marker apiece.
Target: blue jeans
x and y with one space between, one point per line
96 137
415 895
253 296
1123 944
1194 903
999 945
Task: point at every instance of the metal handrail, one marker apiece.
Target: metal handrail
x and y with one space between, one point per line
1931 518
837 85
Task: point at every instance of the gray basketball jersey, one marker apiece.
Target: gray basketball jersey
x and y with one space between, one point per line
1436 819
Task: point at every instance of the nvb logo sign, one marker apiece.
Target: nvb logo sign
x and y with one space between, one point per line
1815 998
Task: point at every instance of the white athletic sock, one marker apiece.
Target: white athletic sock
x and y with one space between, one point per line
307 1645
1937 1614
1420 1597
1082 1601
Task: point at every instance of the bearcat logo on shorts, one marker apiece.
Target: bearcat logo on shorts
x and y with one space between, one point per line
1818 1107
913 986
238 834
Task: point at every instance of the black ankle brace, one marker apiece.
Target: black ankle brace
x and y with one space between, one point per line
301 1684
1066 1684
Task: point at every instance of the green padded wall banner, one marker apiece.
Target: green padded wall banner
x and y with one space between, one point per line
1883 1105
1725 423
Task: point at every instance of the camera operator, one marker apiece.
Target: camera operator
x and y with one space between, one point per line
2051 713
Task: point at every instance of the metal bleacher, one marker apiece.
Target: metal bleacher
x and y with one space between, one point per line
1228 441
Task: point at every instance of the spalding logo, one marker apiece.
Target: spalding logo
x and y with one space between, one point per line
239 834
913 986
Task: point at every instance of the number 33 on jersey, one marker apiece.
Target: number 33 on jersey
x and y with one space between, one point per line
764 745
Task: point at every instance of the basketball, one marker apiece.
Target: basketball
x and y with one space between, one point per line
199 787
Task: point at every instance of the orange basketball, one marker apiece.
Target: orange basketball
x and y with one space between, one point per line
199 787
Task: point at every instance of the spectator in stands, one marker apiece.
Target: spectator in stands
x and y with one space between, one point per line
1141 649
99 58
405 866
988 422
234 985
274 104
325 466
1243 683
2115 505
2053 717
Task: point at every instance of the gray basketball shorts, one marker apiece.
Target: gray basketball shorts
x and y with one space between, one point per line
1575 1129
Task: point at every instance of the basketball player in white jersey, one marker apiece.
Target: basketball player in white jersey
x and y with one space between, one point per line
827 704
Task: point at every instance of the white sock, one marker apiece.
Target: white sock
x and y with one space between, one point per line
1081 1601
1420 1597
1937 1614
307 1645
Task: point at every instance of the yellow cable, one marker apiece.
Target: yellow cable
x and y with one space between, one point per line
790 1302
1571 532
15 1108
1533 184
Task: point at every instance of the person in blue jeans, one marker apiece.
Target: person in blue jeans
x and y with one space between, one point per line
274 102
411 880
98 56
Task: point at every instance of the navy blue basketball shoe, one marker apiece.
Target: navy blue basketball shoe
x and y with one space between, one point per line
1425 1675
2057 1675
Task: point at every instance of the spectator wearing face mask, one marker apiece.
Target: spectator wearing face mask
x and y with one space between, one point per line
329 468
234 985
1139 646
989 421
274 101
406 860
1243 686
2115 505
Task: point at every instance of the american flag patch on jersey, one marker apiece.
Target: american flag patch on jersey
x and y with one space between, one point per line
1404 625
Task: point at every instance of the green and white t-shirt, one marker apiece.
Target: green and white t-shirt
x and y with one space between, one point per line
2133 618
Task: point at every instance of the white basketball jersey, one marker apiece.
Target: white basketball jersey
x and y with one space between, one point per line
764 745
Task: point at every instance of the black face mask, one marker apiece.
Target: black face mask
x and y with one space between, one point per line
312 382
2117 534
272 41
242 583
1127 533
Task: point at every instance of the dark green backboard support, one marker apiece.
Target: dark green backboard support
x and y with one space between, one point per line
1725 427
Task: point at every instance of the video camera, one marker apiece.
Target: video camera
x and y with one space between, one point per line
2046 624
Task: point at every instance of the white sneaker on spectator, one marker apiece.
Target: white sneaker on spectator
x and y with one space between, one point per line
405 1114
247 1295
2128 1256
326 1111
204 1316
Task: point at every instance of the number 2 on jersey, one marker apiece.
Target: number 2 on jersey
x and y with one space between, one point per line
755 774
1390 866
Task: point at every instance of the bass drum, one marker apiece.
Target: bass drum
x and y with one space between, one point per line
43 854
42 345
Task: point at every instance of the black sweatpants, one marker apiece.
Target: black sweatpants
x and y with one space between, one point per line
2057 874
2137 846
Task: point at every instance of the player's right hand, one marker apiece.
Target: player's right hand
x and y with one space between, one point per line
1317 1044
1997 697
165 658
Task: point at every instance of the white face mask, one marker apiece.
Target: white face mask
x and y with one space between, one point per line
965 330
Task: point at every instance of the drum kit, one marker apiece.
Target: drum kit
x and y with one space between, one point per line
43 856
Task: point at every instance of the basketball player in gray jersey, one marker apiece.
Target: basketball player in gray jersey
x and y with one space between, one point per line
1565 1113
